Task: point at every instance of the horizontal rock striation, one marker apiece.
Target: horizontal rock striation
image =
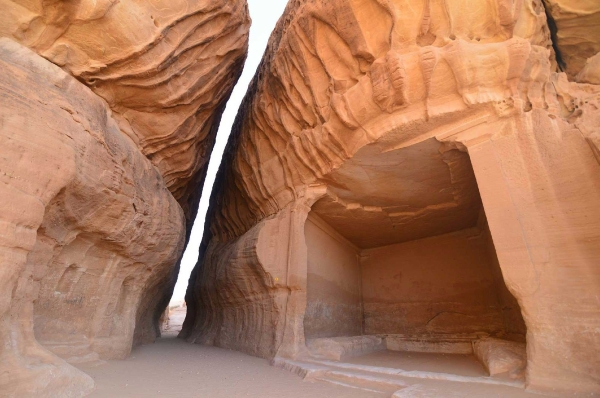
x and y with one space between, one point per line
431 104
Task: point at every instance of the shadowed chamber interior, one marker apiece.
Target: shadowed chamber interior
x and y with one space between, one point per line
400 247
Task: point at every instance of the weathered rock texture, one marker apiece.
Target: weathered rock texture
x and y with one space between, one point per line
577 37
453 168
165 68
97 181
88 222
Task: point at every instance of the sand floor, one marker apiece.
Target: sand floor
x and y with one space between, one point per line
173 368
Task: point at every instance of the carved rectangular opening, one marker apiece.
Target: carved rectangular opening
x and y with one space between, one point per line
400 250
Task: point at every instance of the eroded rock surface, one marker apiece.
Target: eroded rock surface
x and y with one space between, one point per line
101 182
88 227
347 77
577 37
418 131
165 68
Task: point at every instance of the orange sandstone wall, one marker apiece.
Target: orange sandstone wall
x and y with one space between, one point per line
333 283
442 284
165 69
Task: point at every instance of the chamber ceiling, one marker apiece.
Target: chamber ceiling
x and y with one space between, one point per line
378 199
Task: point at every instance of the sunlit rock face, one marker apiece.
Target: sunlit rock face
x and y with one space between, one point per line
165 68
452 177
108 115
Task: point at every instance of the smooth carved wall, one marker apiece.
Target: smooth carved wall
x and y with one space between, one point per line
438 285
514 327
540 185
448 284
333 283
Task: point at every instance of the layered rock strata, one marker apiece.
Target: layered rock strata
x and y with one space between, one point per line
164 67
88 225
406 128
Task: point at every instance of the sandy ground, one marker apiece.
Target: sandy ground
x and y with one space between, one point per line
173 368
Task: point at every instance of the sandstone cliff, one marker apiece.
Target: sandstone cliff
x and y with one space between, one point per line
165 69
88 221
107 122
394 121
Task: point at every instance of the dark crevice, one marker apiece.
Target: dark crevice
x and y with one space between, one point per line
562 66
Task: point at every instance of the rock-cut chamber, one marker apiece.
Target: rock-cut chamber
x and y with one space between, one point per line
400 248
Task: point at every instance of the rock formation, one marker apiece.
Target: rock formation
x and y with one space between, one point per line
165 70
577 37
452 176
90 219
108 114
501 356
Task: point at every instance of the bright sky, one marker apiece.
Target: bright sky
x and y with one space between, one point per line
264 14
